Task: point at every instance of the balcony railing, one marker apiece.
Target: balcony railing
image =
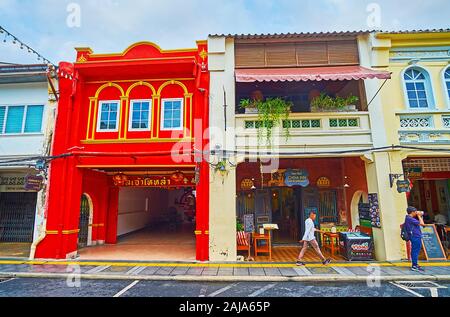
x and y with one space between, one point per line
424 127
309 131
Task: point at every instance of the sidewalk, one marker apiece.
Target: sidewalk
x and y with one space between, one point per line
210 272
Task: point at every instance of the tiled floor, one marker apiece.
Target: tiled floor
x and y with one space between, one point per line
289 254
147 245
15 250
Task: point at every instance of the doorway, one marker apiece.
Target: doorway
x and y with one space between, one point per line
85 222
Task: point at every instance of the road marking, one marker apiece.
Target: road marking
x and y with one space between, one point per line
97 269
203 291
222 290
343 271
430 286
407 289
262 290
7 280
126 289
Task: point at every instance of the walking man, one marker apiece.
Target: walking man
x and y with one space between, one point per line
413 222
310 238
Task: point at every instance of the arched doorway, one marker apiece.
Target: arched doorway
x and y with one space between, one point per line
359 197
85 224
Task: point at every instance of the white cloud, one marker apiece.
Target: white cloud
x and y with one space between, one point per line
112 25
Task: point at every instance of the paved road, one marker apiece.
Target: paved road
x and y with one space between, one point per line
112 288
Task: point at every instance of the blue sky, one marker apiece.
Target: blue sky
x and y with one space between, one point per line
112 25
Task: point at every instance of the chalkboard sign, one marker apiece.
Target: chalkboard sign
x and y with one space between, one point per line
364 211
432 244
249 223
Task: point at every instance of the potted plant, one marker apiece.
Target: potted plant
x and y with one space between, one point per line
271 112
325 103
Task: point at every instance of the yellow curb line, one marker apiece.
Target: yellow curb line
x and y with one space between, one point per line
216 265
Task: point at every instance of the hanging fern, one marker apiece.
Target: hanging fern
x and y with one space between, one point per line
271 113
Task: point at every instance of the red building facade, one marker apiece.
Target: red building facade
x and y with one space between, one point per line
141 112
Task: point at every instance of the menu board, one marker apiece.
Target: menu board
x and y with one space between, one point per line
374 211
432 244
249 223
364 211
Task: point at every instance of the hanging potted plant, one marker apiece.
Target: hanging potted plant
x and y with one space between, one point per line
271 112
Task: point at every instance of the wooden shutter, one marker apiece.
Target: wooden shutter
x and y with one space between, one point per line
310 54
281 55
343 52
250 55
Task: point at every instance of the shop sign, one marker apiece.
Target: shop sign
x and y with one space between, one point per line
247 184
12 183
403 186
323 182
33 182
295 177
156 182
414 172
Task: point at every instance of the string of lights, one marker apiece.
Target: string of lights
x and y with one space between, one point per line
7 36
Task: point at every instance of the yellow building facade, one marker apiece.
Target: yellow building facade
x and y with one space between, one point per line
414 120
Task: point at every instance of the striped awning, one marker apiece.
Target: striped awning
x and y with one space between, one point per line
332 73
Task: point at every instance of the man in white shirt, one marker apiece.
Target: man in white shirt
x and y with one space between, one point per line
310 238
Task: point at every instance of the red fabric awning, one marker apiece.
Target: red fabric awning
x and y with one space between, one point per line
309 74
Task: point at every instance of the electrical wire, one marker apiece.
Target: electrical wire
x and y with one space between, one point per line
25 161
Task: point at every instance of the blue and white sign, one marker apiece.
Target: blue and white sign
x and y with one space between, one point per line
296 178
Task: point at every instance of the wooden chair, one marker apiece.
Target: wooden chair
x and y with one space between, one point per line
244 242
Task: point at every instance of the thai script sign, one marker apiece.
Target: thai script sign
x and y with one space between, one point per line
156 182
33 182
18 183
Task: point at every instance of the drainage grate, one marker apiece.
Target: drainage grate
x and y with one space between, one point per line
419 285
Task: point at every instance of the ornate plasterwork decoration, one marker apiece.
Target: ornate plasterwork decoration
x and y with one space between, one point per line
424 137
415 122
82 59
203 54
436 53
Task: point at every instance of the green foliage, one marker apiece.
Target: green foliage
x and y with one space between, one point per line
271 112
239 226
327 103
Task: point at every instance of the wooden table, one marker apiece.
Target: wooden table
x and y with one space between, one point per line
330 241
262 249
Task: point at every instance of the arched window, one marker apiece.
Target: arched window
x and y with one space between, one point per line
418 88
447 81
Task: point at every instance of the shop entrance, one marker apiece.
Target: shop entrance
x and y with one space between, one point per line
17 216
289 208
152 224
282 199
